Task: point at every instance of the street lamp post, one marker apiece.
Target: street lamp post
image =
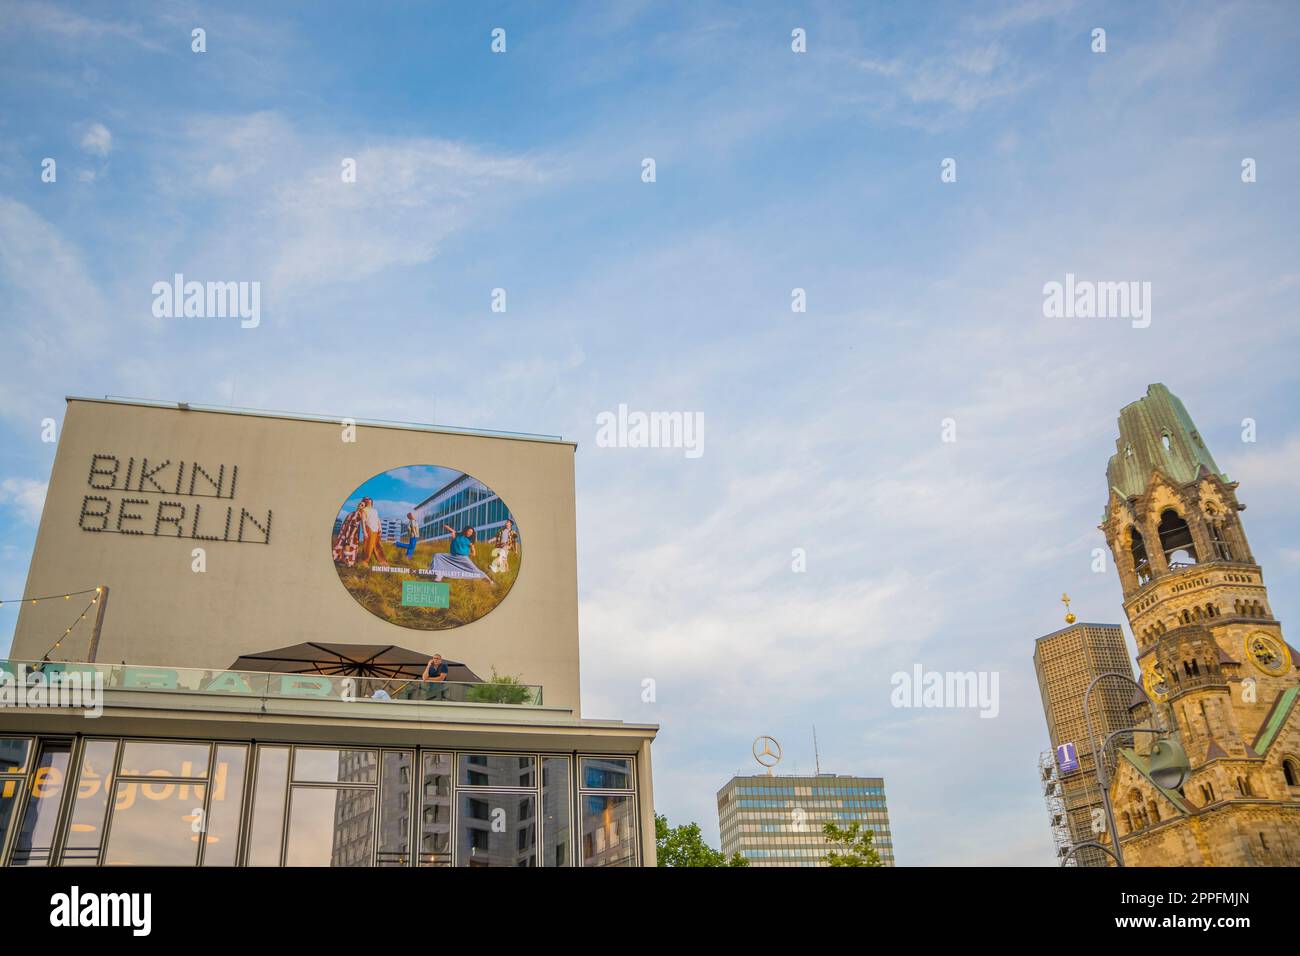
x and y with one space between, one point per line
1173 775
1093 843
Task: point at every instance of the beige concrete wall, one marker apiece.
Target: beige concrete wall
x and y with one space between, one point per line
256 596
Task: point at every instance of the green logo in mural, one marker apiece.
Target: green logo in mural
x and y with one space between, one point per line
426 547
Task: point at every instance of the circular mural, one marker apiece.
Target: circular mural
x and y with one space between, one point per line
426 547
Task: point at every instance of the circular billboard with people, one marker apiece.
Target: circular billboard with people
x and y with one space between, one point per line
426 547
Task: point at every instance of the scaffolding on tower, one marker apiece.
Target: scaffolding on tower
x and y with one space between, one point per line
1054 797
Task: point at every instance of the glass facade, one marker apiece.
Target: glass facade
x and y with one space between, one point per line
35 838
777 821
123 802
89 812
608 819
556 798
435 811
14 755
464 503
395 808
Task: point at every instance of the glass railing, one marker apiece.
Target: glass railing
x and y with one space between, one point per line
260 684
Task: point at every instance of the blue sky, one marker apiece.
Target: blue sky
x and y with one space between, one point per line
775 171
398 491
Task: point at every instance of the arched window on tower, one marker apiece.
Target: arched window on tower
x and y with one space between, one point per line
1222 550
1291 770
1176 540
1138 548
1218 540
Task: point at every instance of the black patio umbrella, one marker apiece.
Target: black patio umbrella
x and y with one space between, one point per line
355 660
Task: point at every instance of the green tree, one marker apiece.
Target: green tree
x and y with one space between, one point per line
684 846
852 846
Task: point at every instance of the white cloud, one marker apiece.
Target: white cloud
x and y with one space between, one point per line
97 140
71 28
289 216
1266 464
54 312
23 496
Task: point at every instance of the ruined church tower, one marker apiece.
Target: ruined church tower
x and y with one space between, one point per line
1211 655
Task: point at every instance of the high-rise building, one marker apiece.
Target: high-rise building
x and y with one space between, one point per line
1066 662
777 820
1222 678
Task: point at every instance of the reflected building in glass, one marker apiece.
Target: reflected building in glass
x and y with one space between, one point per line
778 820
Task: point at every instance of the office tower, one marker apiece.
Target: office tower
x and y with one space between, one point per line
1066 662
777 820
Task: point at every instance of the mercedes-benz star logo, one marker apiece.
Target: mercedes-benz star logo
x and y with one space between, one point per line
767 752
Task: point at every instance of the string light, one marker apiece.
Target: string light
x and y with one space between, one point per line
67 631
96 591
52 597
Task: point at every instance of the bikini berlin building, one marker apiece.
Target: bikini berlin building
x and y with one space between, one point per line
219 657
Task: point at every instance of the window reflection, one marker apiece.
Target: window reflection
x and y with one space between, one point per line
606 773
309 806
13 769
94 784
221 842
395 809
556 850
331 826
267 827
496 829
608 830
435 811
497 770
147 758
45 792
313 765
155 824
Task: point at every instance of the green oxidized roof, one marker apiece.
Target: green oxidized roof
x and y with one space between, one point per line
1273 722
1140 448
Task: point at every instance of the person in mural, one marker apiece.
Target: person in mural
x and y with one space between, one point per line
412 535
501 553
349 539
505 535
373 527
459 563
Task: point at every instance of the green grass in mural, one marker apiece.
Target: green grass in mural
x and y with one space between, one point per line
381 593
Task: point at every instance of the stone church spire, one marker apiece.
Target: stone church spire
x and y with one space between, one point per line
1212 657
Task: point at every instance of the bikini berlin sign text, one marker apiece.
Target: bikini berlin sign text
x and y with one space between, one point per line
169 499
